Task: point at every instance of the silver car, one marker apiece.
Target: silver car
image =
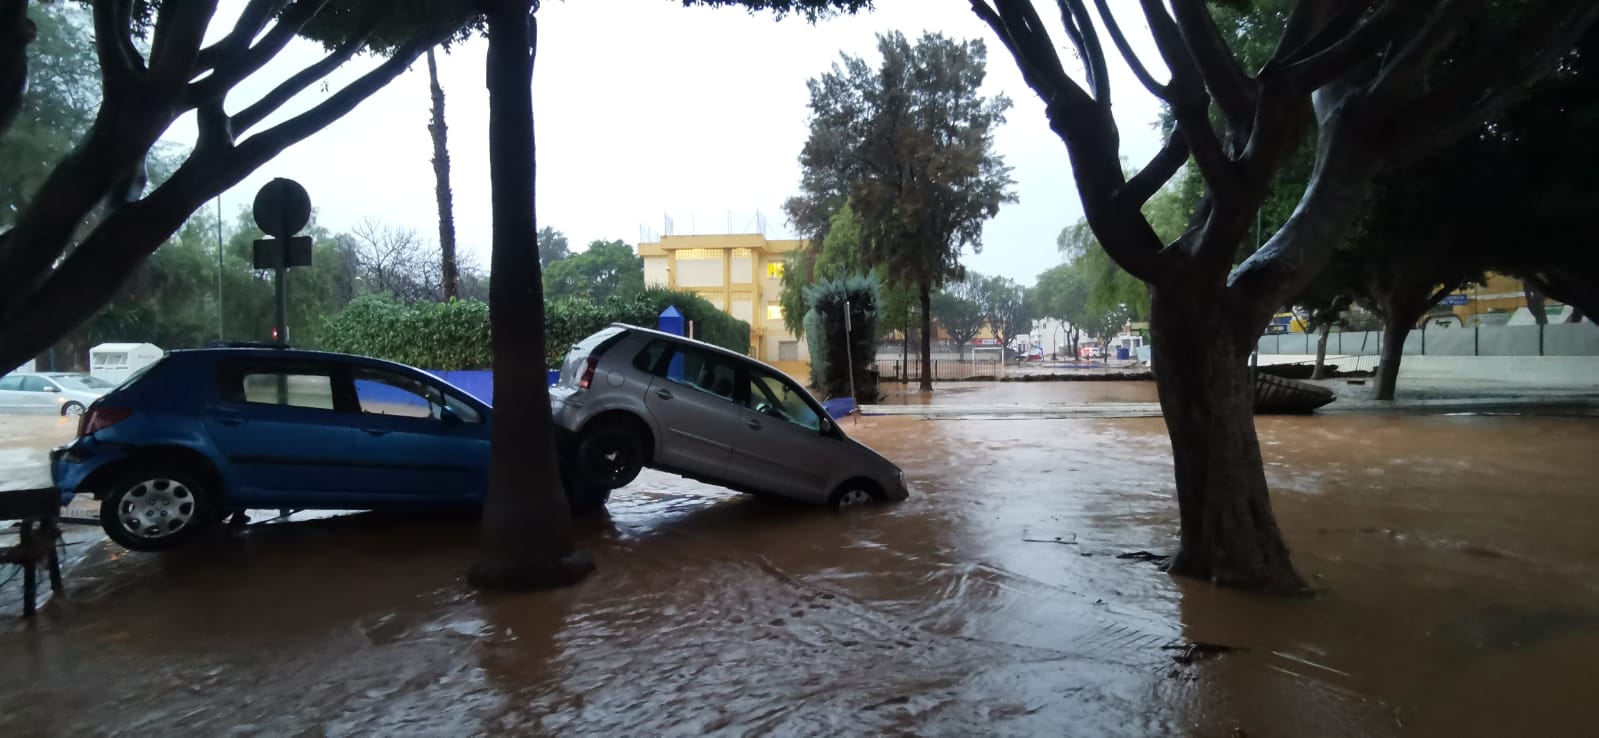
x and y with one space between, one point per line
51 392
631 397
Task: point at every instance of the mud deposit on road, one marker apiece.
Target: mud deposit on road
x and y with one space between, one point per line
1456 554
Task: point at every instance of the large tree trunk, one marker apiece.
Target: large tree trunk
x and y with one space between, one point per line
1320 372
16 32
1394 332
925 295
441 187
1229 535
526 538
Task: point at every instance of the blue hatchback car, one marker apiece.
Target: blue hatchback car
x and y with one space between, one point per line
207 431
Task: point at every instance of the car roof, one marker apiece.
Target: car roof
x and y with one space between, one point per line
693 341
259 352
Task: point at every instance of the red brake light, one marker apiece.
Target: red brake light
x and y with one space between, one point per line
100 418
588 373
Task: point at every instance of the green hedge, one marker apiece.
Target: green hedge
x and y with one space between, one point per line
447 336
455 335
824 329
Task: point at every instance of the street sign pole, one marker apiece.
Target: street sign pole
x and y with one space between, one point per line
849 359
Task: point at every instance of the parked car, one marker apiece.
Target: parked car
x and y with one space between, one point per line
207 431
64 393
632 397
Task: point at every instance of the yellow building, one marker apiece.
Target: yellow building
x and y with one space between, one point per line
740 273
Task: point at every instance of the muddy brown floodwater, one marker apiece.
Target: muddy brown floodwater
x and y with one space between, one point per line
1457 558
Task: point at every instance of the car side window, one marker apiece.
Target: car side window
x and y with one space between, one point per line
283 388
387 393
10 383
35 384
650 358
771 396
701 370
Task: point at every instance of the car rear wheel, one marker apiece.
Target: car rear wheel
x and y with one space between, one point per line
72 409
157 509
852 494
610 456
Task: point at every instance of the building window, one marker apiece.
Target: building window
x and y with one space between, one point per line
774 270
695 254
774 311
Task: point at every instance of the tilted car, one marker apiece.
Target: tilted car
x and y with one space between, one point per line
207 431
632 397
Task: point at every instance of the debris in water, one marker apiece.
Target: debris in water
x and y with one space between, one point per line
1145 556
1197 650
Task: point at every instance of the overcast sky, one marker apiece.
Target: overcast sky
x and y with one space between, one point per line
646 109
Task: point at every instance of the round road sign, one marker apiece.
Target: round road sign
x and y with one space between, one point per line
282 208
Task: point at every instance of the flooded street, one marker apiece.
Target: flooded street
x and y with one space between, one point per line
1456 556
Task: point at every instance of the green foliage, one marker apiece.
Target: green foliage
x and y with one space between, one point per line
829 297
568 321
958 309
797 269
815 339
552 247
1005 308
431 335
605 269
62 99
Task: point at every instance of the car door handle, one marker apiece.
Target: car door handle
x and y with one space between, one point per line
230 419
376 431
664 394
753 424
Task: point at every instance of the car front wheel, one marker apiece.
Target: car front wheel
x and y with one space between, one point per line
157 510
853 494
72 409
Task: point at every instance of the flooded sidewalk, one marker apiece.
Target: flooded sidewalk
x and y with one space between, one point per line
1458 571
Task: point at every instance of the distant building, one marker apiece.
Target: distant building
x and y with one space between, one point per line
740 273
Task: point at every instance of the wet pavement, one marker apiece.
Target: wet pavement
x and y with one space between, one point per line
1458 569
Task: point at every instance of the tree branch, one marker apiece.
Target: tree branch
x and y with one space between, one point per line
1157 89
1487 84
1414 59
113 43
1339 46
1233 90
247 118
1023 32
225 76
261 147
1080 27
1157 172
179 29
251 21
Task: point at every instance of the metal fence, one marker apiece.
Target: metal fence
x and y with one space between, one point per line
1559 339
944 370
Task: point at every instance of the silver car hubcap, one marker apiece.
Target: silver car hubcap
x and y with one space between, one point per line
855 497
156 508
73 409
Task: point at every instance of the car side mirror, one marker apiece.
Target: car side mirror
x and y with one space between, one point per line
51 388
448 416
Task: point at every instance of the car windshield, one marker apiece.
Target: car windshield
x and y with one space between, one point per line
81 382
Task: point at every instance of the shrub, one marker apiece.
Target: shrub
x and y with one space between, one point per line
455 335
825 330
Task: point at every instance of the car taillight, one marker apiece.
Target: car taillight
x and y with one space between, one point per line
588 372
100 418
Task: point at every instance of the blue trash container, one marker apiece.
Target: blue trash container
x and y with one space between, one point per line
554 375
1121 353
